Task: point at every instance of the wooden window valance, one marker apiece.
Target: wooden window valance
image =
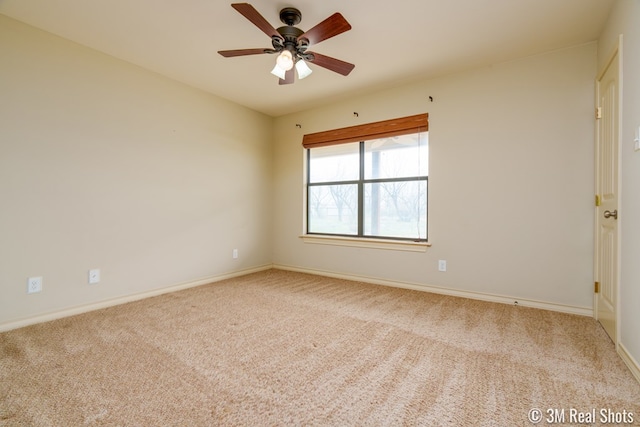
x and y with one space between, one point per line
383 129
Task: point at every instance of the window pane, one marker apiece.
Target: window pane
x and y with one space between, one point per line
396 209
333 209
397 157
334 163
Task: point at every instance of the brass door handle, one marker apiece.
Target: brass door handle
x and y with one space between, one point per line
609 214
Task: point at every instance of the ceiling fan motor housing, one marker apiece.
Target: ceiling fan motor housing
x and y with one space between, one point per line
290 16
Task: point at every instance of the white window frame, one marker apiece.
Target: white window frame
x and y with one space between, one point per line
401 126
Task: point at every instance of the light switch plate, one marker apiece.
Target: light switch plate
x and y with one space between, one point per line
94 276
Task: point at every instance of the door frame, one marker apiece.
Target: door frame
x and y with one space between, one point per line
616 55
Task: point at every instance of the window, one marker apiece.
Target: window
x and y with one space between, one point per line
369 181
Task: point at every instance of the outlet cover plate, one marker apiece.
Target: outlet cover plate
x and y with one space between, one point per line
34 284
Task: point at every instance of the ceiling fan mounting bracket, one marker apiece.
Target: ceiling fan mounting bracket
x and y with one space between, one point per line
290 16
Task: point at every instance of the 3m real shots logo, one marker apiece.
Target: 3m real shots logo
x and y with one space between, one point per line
576 416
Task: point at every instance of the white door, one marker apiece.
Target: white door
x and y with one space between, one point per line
607 209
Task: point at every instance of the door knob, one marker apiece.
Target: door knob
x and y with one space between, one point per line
609 214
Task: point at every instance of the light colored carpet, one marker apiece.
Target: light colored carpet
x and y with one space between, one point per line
284 348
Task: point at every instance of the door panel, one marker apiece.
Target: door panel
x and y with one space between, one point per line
607 189
607 295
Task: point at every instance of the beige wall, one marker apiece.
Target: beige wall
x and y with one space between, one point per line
625 20
510 185
106 165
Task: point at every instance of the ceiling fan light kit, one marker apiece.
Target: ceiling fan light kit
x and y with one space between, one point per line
291 43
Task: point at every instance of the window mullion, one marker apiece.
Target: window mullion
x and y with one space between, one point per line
361 193
405 179
308 186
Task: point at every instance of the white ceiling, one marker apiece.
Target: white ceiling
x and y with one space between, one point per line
391 42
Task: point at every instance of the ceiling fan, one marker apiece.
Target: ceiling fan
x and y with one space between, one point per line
291 43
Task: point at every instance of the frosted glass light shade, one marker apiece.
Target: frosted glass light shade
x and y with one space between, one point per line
278 72
303 69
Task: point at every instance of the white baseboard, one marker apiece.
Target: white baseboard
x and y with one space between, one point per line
632 363
7 326
582 311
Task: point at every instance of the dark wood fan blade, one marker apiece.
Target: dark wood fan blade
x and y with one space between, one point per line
289 77
240 52
254 16
332 64
330 27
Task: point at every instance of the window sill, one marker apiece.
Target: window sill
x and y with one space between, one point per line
394 245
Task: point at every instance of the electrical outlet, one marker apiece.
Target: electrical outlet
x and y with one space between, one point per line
235 254
442 265
94 276
34 284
